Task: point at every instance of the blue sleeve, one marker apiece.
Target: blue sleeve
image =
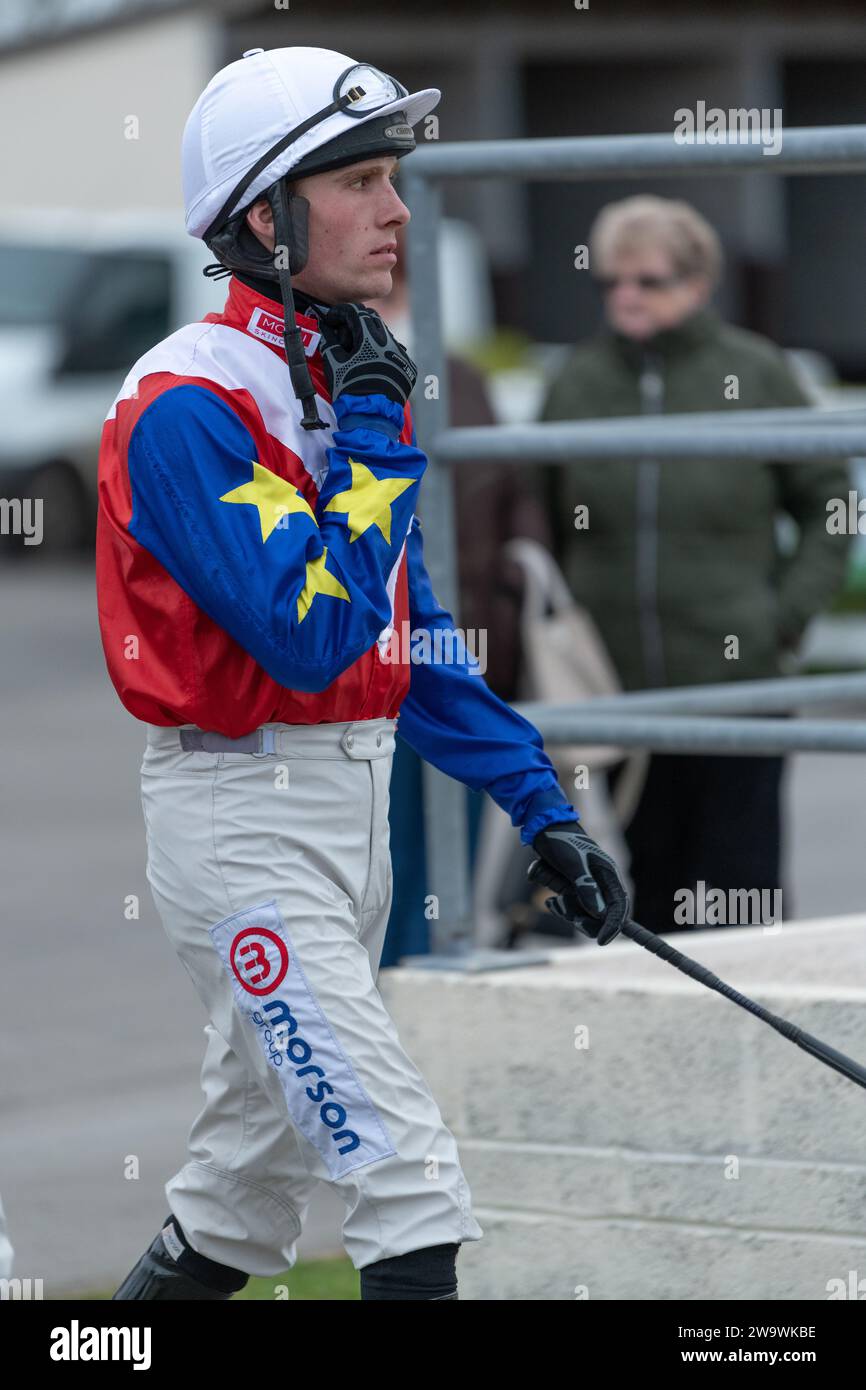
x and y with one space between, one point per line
452 718
304 591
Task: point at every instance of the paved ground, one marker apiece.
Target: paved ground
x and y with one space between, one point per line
100 1031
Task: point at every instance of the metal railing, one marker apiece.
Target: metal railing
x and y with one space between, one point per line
673 720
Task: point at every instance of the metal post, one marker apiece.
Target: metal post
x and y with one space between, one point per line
445 822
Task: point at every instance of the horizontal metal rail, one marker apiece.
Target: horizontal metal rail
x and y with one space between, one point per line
647 437
732 697
804 150
679 733
809 416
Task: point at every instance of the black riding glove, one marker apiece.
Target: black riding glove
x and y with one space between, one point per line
362 357
590 891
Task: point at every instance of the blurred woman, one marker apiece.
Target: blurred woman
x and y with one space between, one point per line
679 560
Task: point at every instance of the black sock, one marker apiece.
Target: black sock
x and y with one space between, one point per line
208 1272
419 1274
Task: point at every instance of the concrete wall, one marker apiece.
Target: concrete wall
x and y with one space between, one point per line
69 107
687 1152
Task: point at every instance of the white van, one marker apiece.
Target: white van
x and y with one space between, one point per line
81 297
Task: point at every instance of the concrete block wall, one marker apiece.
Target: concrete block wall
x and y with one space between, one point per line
682 1149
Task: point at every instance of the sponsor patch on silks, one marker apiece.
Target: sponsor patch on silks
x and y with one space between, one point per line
269 327
325 1099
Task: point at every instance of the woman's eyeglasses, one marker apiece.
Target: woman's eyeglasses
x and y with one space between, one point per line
606 283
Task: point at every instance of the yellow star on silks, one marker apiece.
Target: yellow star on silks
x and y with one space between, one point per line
272 495
318 581
368 501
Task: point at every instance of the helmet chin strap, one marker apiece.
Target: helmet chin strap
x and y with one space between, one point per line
290 229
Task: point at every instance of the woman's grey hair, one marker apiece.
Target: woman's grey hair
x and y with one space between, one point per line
667 223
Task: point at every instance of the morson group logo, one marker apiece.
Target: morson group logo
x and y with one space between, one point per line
324 1095
253 963
279 1033
269 327
259 960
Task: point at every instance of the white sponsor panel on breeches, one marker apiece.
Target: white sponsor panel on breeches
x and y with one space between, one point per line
323 1095
272 876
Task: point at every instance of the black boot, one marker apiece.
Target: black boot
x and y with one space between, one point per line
427 1274
171 1269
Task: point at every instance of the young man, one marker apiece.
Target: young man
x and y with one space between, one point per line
257 546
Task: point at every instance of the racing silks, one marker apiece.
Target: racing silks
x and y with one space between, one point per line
251 572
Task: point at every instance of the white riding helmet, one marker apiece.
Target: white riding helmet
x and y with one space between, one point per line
284 104
298 110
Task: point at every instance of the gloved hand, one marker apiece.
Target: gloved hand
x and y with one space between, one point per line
362 357
587 882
